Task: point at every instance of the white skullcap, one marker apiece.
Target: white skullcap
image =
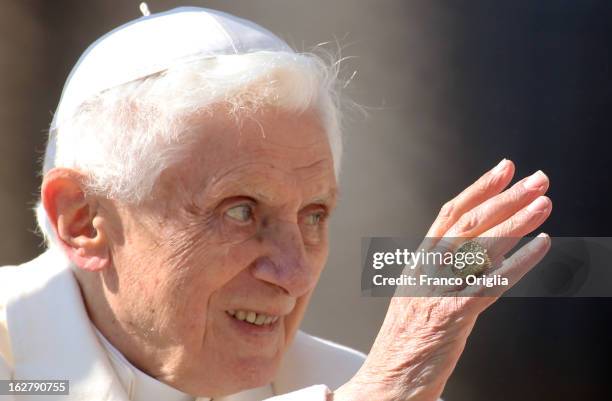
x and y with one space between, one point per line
153 43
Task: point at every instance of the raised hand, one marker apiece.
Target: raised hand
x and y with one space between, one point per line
422 337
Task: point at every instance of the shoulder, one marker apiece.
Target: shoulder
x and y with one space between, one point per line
312 360
19 279
8 276
16 283
31 276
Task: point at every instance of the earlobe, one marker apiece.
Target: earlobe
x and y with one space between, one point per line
92 250
74 219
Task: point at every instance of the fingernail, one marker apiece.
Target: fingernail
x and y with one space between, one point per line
544 237
501 166
538 205
536 180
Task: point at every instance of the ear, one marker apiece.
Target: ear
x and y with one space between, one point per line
79 229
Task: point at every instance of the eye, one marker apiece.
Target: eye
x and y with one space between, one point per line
315 218
242 213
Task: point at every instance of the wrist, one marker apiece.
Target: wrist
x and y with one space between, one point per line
360 390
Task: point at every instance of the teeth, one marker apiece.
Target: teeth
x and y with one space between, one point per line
258 319
251 316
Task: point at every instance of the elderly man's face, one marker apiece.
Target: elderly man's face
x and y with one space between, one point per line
237 231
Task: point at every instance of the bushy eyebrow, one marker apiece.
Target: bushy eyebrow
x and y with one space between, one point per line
329 198
240 181
232 189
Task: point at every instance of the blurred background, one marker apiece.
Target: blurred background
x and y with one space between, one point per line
450 88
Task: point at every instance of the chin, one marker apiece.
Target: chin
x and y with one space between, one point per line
240 375
256 372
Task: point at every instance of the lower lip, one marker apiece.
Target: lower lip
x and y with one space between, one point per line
252 329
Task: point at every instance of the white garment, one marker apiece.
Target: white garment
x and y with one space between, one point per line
45 333
138 385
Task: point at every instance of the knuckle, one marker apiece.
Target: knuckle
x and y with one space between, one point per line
494 180
447 210
484 185
515 194
518 260
468 223
513 224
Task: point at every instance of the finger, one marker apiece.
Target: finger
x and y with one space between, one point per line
515 267
523 260
500 207
503 237
490 184
500 239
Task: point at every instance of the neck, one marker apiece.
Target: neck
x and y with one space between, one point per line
104 310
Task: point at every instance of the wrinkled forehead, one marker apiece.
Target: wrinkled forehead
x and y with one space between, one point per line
271 146
270 128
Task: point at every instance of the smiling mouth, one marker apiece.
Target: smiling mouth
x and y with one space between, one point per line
257 319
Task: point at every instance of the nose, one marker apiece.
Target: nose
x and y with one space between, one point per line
283 262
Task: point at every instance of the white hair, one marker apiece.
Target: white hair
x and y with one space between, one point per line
123 138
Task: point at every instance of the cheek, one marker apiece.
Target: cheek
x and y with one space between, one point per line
317 258
293 321
215 265
204 272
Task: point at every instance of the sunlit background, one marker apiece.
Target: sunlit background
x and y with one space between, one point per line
448 88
